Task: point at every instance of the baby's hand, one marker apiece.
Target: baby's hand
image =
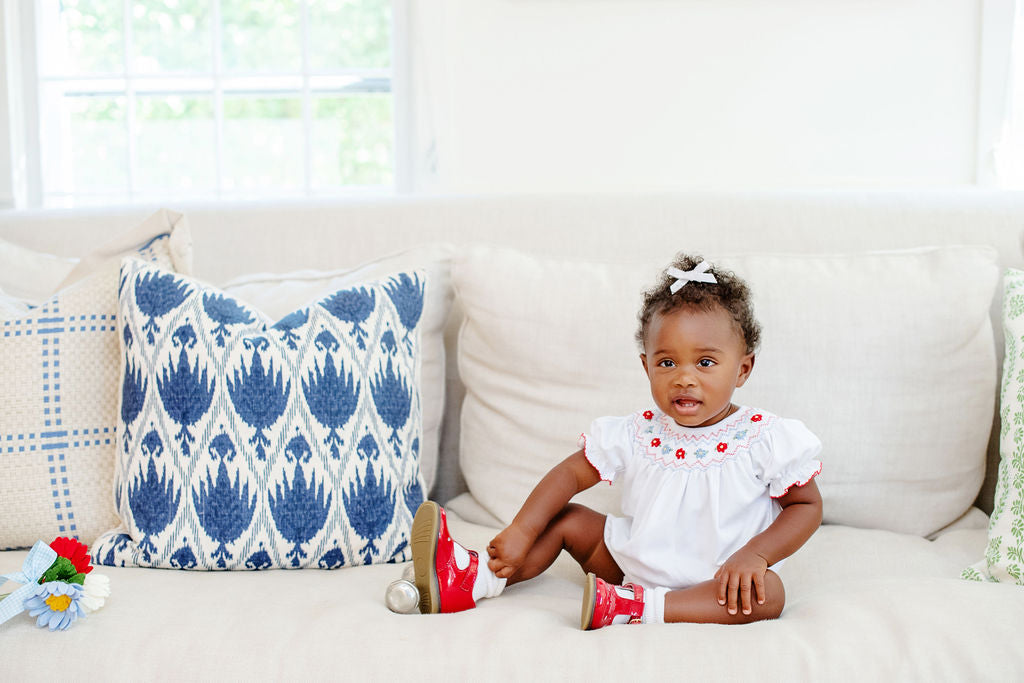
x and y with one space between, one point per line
745 569
507 551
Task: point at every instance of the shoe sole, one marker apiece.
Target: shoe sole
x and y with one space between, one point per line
425 526
589 599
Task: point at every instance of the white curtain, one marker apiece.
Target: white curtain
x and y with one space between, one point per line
429 82
1008 147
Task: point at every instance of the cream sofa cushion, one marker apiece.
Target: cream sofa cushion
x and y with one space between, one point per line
861 605
31 276
888 357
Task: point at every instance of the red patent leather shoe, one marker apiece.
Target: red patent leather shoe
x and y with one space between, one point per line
602 603
443 586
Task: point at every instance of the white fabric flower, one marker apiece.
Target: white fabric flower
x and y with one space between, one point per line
96 591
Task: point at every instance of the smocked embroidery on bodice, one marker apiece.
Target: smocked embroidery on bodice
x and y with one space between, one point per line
671 446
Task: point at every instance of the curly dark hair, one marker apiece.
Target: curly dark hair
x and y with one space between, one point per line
730 292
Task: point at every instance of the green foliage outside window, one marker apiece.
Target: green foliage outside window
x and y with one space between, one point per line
351 139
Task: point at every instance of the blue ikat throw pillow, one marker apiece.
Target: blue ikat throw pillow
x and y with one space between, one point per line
249 444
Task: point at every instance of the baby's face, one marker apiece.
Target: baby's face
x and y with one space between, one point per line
694 360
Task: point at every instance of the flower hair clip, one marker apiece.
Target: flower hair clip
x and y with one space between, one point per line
697 274
58 585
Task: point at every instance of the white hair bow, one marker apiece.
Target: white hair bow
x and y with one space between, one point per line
698 274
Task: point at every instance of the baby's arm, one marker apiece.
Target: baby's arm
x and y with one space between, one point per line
509 548
745 569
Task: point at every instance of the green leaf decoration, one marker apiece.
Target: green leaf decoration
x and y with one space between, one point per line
63 570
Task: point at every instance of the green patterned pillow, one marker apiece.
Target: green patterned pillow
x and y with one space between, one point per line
1004 556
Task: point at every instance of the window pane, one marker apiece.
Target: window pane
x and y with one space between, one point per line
156 99
173 35
349 33
86 37
352 141
263 144
176 145
261 35
85 149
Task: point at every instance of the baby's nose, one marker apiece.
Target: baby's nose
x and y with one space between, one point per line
685 377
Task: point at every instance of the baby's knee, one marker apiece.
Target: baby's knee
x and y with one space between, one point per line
574 515
775 598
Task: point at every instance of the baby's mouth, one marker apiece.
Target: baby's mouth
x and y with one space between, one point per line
686 403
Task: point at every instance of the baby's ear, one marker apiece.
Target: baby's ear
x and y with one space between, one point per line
746 367
643 360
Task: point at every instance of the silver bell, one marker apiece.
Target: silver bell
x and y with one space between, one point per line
402 597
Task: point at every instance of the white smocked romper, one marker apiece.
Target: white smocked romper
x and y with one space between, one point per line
692 496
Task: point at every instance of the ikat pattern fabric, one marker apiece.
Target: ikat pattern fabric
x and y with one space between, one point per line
245 444
58 405
1004 554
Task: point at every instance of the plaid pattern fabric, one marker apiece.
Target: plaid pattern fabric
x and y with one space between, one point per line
59 365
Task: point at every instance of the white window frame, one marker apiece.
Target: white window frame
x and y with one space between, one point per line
21 183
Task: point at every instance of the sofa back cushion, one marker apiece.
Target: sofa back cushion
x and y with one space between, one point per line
888 357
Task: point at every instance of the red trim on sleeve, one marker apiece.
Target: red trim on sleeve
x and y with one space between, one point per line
799 484
582 443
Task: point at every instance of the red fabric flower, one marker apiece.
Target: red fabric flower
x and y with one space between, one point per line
680 454
655 442
756 418
648 415
722 446
77 553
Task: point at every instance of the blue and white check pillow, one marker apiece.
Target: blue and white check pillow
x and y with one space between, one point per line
246 444
59 365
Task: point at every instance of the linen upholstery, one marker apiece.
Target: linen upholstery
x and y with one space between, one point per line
858 346
862 604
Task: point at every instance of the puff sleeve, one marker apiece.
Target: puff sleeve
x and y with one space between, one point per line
608 445
787 456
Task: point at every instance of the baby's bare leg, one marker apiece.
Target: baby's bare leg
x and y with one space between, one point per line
699 604
580 531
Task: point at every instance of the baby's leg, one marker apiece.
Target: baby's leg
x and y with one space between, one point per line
700 603
580 531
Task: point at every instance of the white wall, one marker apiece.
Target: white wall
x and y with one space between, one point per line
535 95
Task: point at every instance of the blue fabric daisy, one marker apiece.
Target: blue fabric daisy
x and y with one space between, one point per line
57 604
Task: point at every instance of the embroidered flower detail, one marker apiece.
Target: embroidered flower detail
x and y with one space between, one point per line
722 446
648 415
756 418
681 453
655 442
56 605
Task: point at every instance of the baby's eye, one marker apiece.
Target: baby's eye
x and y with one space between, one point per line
706 363
666 363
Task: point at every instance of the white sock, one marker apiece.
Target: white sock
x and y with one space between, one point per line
654 606
487 585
